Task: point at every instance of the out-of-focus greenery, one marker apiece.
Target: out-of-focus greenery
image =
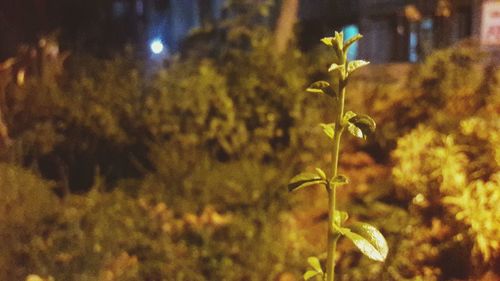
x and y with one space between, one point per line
70 129
196 171
28 206
178 173
457 172
218 230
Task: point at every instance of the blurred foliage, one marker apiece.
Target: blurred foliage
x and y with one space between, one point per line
189 182
194 111
27 206
452 180
433 93
177 171
72 128
115 236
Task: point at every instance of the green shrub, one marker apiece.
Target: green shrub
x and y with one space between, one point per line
106 114
190 106
454 179
439 90
433 93
188 182
104 235
477 206
429 164
27 203
89 120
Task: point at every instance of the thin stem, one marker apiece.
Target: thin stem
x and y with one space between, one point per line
332 198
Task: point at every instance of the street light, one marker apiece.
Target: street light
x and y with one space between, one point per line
156 46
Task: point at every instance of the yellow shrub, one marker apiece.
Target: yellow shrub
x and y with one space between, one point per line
429 164
458 173
478 207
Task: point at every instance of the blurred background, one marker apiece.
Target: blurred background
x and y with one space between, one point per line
153 139
396 30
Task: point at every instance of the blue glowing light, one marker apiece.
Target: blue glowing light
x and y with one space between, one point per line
350 31
156 46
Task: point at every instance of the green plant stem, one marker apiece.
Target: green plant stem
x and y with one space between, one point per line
333 236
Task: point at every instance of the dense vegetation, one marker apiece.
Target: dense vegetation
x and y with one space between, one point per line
123 170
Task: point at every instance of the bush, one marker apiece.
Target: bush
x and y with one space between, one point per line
433 93
188 182
87 121
190 106
231 110
119 237
27 203
106 114
454 179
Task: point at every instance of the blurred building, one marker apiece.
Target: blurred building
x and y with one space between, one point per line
319 18
394 30
102 26
490 25
398 30
403 30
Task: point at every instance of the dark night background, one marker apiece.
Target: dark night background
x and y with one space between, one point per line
104 27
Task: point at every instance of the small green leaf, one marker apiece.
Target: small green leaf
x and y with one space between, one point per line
334 66
328 41
336 42
321 173
314 263
369 241
321 87
339 39
353 65
310 274
303 180
361 126
340 217
351 41
355 131
348 115
328 129
339 180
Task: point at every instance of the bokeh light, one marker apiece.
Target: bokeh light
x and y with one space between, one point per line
156 46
